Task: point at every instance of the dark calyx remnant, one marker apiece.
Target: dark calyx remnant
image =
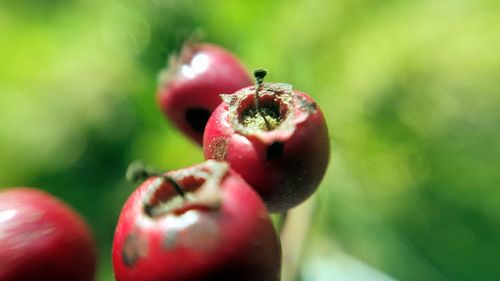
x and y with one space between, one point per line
259 75
197 118
136 172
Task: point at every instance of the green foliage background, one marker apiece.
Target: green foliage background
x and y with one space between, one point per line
409 90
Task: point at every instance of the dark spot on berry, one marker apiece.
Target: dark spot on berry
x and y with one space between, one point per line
148 209
197 118
275 150
132 250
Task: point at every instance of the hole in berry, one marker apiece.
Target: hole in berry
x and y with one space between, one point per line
275 150
164 198
197 118
267 116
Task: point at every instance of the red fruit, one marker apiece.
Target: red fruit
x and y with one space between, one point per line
189 89
284 156
42 239
219 230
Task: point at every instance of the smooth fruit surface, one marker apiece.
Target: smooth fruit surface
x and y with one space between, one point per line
219 230
190 87
42 239
280 146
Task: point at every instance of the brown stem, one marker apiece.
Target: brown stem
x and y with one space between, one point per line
259 75
138 171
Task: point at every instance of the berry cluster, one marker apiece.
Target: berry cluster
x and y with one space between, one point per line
267 149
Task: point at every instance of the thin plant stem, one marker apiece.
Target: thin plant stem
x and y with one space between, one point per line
293 234
260 74
137 171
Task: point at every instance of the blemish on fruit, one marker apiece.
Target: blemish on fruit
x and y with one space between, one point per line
306 105
170 240
133 249
219 149
197 118
202 235
275 150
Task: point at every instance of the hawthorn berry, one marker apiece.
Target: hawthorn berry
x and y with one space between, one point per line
43 239
275 137
190 87
199 223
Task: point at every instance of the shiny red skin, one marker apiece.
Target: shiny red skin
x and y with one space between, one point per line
234 242
43 239
286 180
195 80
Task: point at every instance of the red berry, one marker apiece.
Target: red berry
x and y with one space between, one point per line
189 89
218 229
283 156
41 238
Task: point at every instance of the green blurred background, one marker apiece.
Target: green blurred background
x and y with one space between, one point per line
409 90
